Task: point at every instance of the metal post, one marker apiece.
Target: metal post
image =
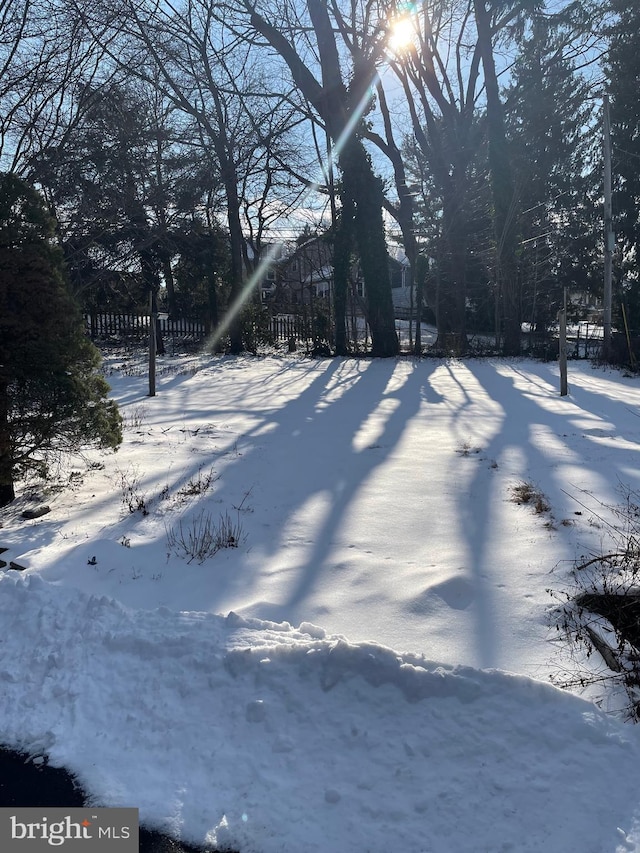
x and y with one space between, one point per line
562 324
152 344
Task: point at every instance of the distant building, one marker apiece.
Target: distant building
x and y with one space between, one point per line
276 252
402 292
305 274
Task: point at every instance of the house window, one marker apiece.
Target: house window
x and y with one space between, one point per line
294 266
271 275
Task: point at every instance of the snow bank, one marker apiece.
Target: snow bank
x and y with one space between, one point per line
263 737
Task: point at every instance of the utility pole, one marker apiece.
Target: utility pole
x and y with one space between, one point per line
609 237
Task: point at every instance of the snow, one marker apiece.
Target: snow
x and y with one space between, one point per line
369 669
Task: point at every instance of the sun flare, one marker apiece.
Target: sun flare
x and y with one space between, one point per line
402 33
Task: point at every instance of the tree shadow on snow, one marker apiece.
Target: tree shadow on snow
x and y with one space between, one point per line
534 414
319 439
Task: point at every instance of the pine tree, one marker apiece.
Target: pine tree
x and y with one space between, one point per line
110 186
549 122
623 71
52 398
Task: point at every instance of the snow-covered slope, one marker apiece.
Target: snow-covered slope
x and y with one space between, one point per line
373 499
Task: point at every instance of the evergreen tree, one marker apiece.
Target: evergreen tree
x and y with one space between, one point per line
122 187
623 70
440 83
51 397
202 272
502 183
454 229
549 121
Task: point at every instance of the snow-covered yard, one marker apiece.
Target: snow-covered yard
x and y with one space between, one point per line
368 670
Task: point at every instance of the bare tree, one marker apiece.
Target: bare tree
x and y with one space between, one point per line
45 55
502 182
184 50
339 100
439 72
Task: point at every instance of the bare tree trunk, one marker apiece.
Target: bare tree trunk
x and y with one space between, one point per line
332 102
171 288
502 189
151 279
403 213
456 228
236 240
341 264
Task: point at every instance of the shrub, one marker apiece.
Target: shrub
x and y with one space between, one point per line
256 328
135 418
202 537
198 484
527 493
133 498
598 618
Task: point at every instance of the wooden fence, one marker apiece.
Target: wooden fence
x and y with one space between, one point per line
101 326
584 339
286 327
104 326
